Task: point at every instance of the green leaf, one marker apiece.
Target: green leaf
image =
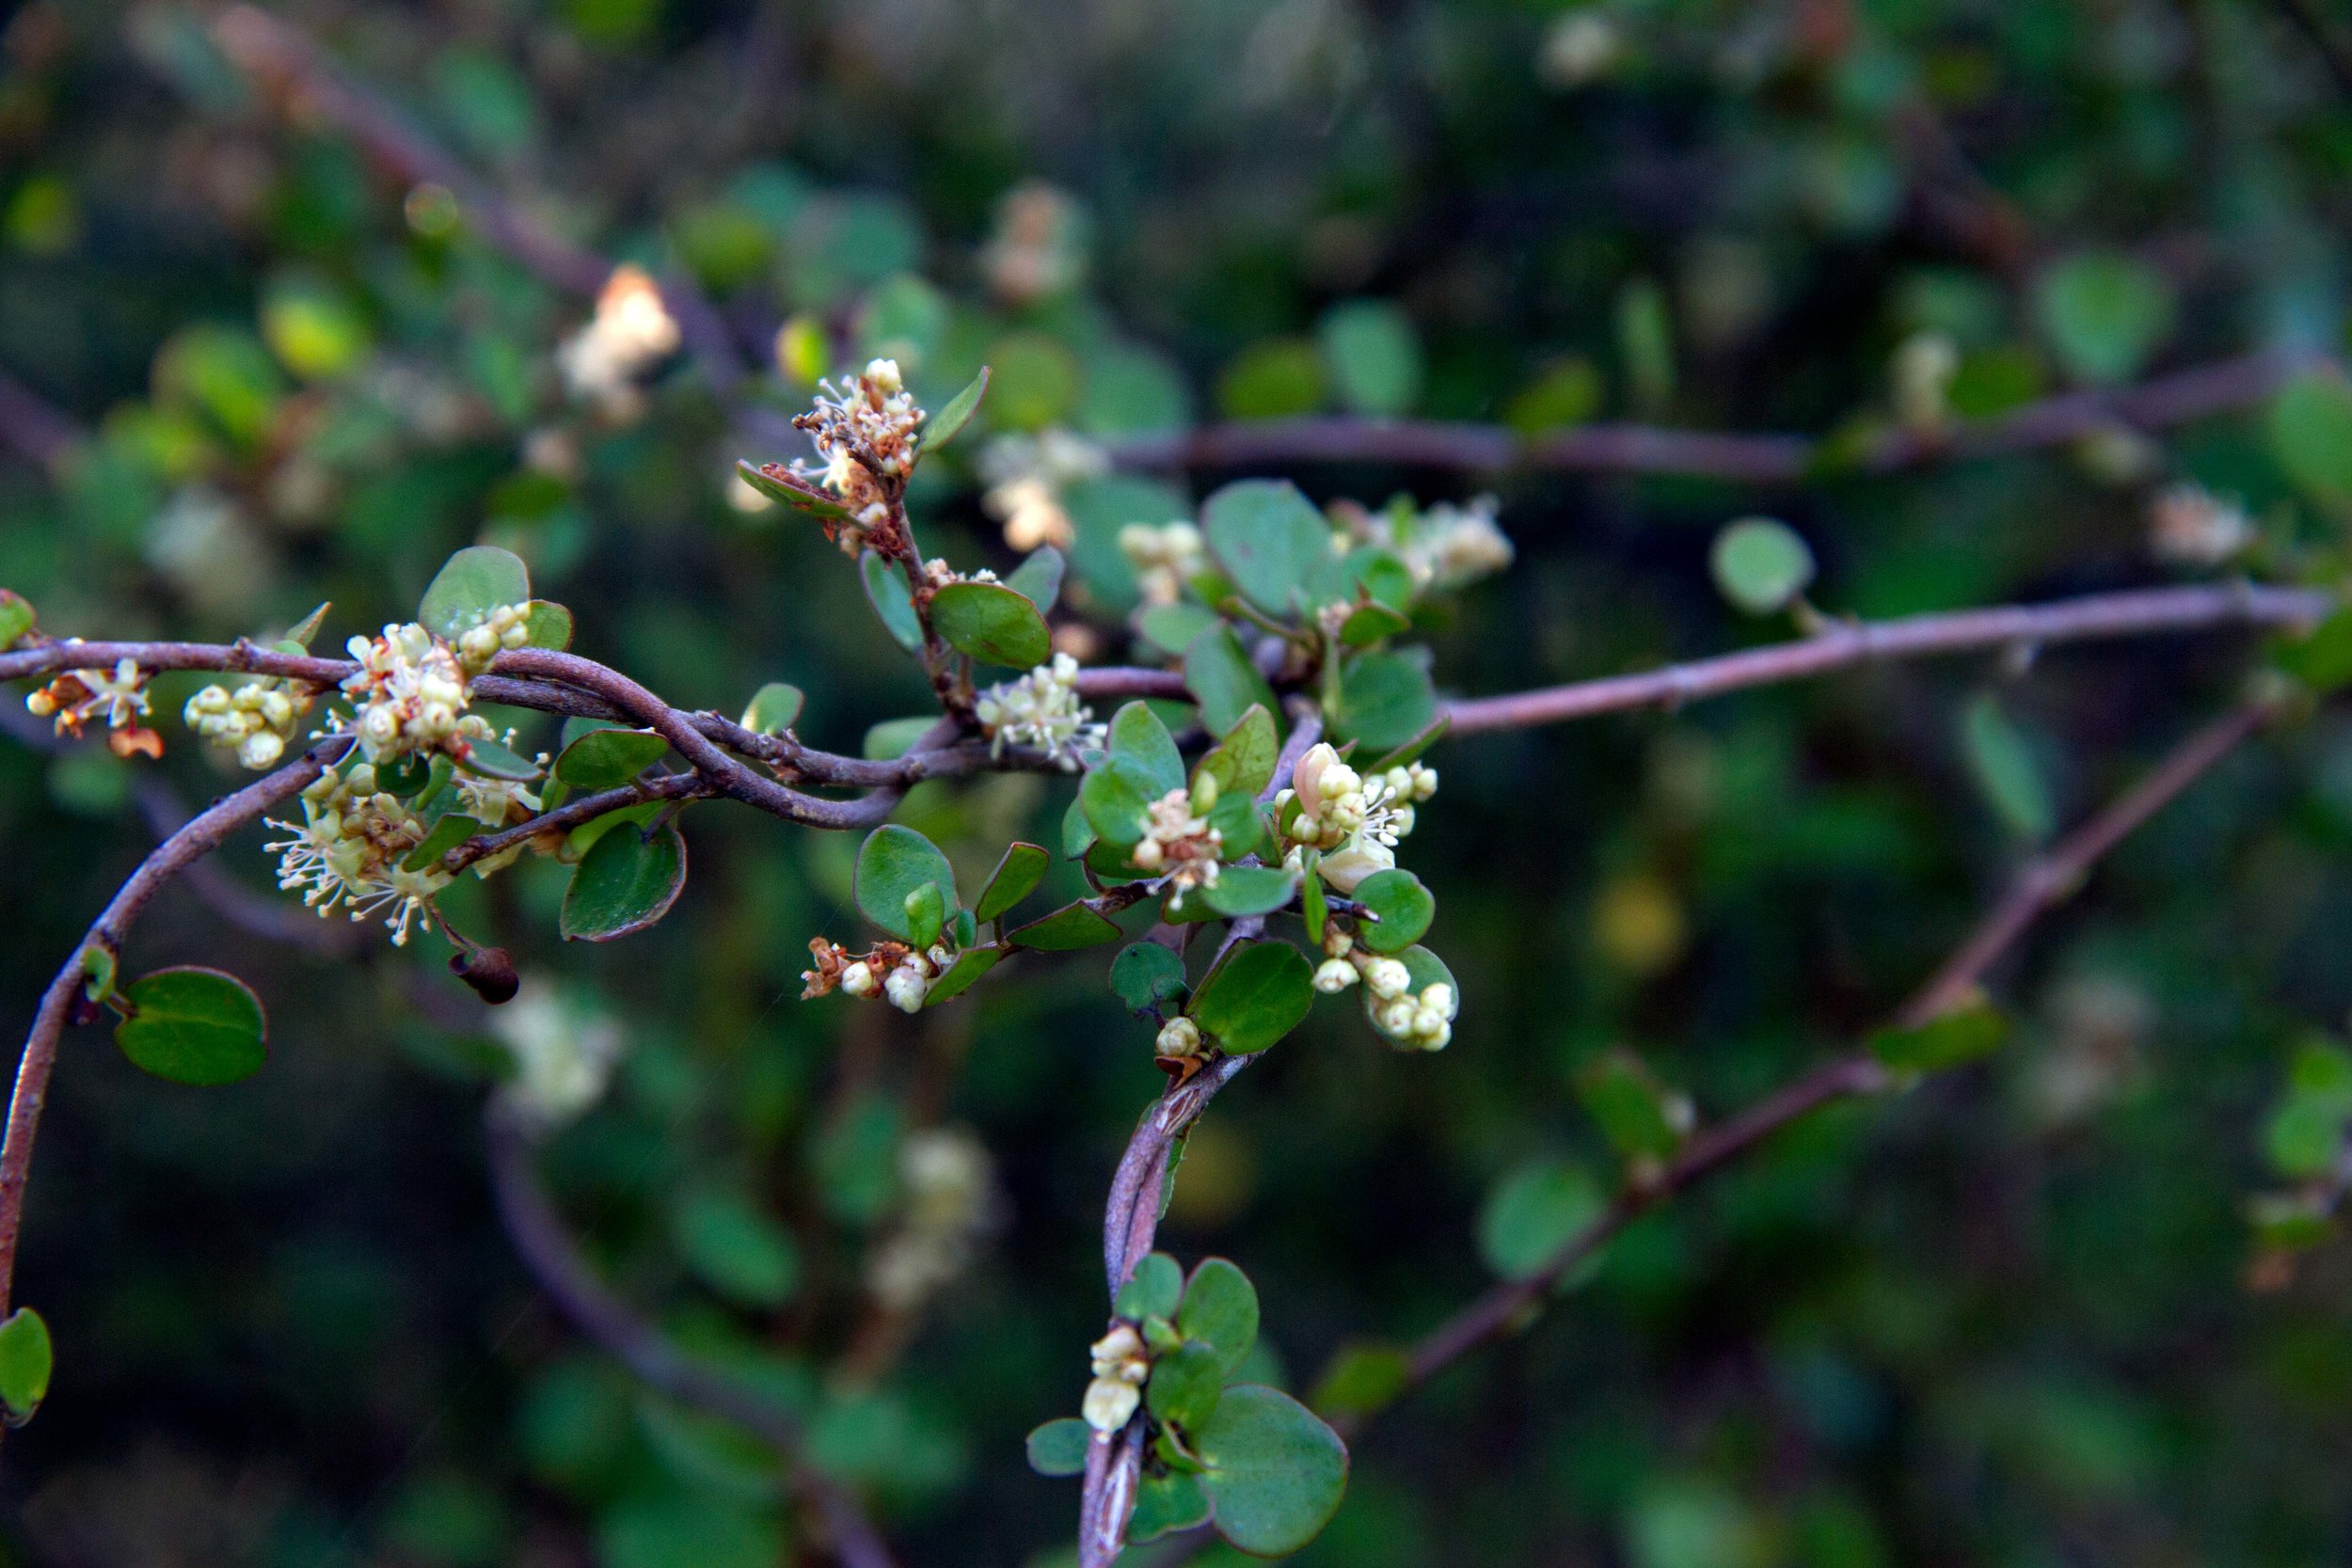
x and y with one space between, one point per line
1115 796
1068 929
1171 627
1401 909
1268 538
1257 993
1240 891
775 482
962 975
2003 763
1371 624
2311 434
992 624
2322 659
1412 750
488 759
1361 1380
471 585
626 882
99 967
1038 578
1536 1210
1637 1114
893 862
405 777
193 1025
2105 313
1165 1503
886 591
1271 378
1962 1035
583 838
1059 1446
1242 763
1015 878
606 759
927 916
944 426
1222 680
735 1249
548 625
1373 355
1385 700
1220 1309
1151 1289
1761 564
1137 735
775 707
667 1528
1147 976
1314 904
447 833
1276 1473
25 1359
1184 1385
16 619
1077 832
895 737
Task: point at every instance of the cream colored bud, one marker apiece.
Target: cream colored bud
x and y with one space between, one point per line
1178 1037
1109 1404
858 979
1334 975
1386 978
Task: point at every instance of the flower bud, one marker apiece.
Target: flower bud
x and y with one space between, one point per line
1178 1037
1334 975
1386 978
1109 1404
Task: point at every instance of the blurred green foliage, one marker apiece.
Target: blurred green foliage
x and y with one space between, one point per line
2009 1318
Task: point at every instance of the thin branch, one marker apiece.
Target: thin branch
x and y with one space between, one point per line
199 837
1131 1217
2095 616
591 1306
1764 459
2039 886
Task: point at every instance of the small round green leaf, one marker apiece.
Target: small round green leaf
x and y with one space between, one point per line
1276 1473
1164 1503
774 708
1059 1448
962 975
471 585
943 427
1220 1308
1222 680
626 882
1152 1288
2006 769
1067 930
1254 996
1267 537
25 1360
2105 313
886 591
1015 878
1184 1385
993 622
1137 735
1242 763
893 862
1400 909
606 759
547 626
1373 356
1115 796
1240 891
1038 578
1536 1210
1146 975
2311 434
1761 564
733 1248
1385 700
193 1025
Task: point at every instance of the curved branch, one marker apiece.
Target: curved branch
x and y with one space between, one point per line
1756 459
591 1306
202 835
2136 613
2038 887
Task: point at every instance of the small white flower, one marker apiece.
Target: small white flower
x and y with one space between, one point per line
1040 709
906 986
858 979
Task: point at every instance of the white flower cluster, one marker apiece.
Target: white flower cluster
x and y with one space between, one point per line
1445 545
903 983
76 697
507 626
865 431
1177 845
256 721
1040 709
2190 526
1424 1019
1165 558
348 850
1121 1367
950 1203
563 1047
1027 476
631 332
410 695
1354 820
